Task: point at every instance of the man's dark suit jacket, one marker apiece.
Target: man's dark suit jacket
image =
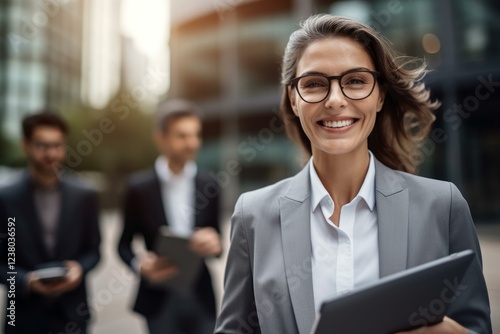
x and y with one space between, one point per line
77 239
144 214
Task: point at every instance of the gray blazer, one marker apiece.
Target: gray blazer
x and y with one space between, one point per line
268 281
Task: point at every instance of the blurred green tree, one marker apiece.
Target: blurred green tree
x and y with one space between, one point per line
110 140
10 150
115 141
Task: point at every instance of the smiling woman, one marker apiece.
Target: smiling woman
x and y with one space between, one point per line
407 110
353 214
341 118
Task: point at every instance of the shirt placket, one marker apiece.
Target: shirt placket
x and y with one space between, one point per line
345 263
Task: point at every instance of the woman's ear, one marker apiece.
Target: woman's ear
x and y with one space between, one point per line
293 100
381 98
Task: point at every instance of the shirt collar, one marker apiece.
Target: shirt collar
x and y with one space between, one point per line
165 174
366 192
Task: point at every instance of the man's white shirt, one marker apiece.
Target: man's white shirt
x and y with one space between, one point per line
177 192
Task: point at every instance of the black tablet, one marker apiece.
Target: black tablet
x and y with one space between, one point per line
52 274
176 249
416 297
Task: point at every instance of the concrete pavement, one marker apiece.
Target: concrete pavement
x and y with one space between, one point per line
489 238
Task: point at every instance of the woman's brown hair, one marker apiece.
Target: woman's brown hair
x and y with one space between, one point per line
407 115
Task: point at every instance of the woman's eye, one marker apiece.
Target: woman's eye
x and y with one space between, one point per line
314 84
355 81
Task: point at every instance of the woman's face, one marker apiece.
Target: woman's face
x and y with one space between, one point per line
337 125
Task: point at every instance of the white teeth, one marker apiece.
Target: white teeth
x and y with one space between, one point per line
338 124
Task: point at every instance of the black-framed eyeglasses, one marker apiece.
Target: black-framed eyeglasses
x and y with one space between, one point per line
46 146
355 85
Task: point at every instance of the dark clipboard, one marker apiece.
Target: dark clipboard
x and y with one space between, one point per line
176 249
394 303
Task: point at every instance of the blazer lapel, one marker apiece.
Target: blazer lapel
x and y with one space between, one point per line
157 201
297 249
392 215
200 202
65 222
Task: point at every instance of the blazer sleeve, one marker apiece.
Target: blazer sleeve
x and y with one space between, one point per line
471 308
129 229
238 313
215 214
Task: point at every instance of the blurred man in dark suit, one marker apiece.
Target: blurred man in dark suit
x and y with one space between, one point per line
49 220
174 194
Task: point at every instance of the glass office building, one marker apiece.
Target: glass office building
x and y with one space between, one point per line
40 59
226 56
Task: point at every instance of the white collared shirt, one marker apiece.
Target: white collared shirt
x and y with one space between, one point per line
347 256
178 195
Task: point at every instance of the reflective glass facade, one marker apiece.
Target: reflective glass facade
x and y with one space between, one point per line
40 60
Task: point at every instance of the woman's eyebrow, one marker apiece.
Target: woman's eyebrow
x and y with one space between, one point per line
313 73
356 69
327 75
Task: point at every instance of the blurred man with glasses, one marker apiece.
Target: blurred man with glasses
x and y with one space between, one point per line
47 222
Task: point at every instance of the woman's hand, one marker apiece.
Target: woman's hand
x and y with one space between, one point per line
447 326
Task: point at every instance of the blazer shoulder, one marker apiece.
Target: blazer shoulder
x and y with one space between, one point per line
389 181
15 189
428 188
413 180
8 190
204 176
78 183
13 179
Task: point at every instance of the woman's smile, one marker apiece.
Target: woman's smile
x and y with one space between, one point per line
339 125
